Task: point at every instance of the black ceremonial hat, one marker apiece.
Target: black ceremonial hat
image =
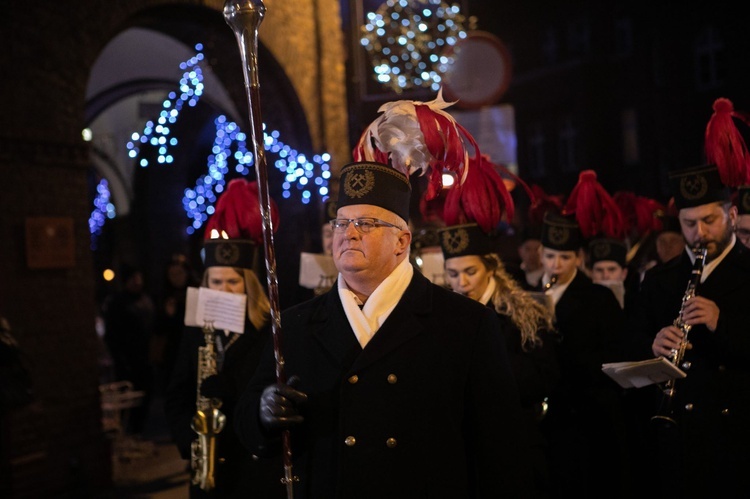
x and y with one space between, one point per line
376 184
607 249
239 253
466 239
697 186
743 200
329 210
560 232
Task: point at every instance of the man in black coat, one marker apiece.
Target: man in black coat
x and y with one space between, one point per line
705 451
402 388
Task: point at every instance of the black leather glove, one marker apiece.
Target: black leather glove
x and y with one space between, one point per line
279 405
216 386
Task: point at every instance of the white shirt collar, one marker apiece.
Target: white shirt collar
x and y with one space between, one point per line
488 292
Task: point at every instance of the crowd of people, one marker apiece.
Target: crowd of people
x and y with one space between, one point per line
489 384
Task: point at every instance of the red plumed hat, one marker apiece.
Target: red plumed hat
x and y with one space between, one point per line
725 146
483 198
237 214
416 138
542 203
640 214
594 208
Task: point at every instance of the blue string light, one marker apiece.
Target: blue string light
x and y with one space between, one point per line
229 155
103 210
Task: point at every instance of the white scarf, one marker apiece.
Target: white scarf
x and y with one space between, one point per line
366 321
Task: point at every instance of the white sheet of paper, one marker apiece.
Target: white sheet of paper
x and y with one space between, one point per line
642 373
316 270
432 266
225 310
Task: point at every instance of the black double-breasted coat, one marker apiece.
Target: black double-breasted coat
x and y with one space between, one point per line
707 453
428 409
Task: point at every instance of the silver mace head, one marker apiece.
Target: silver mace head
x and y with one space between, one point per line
240 14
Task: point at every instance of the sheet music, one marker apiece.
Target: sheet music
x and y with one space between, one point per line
227 311
642 373
316 270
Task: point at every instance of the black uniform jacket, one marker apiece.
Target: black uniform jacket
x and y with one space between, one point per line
591 324
239 474
584 425
712 404
428 409
536 369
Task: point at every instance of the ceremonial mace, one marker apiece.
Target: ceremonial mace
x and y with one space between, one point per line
244 17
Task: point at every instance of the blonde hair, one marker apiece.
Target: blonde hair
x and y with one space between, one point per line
510 299
258 304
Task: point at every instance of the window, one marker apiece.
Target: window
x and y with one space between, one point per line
709 48
629 137
566 143
623 36
550 47
579 38
535 146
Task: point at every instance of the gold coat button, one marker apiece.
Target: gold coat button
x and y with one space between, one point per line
689 407
391 443
350 441
725 412
353 379
392 379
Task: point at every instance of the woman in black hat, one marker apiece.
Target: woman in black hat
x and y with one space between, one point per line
473 268
230 266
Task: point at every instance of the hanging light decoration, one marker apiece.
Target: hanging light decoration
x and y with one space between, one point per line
404 40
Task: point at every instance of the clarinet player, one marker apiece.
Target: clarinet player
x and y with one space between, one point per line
230 264
703 451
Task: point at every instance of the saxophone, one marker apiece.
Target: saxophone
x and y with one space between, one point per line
208 420
665 414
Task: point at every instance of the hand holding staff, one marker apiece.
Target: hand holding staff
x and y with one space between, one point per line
244 17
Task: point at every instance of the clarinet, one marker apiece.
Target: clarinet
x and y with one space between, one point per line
665 415
552 282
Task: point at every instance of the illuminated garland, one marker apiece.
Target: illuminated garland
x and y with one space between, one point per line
229 146
103 210
404 40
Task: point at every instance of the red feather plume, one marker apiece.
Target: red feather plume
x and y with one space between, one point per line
724 145
595 210
640 214
483 198
238 212
541 204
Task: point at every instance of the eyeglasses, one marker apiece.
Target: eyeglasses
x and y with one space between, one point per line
363 225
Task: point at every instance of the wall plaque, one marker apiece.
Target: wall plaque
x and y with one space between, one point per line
50 243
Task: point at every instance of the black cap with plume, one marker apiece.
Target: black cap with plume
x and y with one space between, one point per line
234 233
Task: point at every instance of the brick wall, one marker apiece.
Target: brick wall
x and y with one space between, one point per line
56 447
